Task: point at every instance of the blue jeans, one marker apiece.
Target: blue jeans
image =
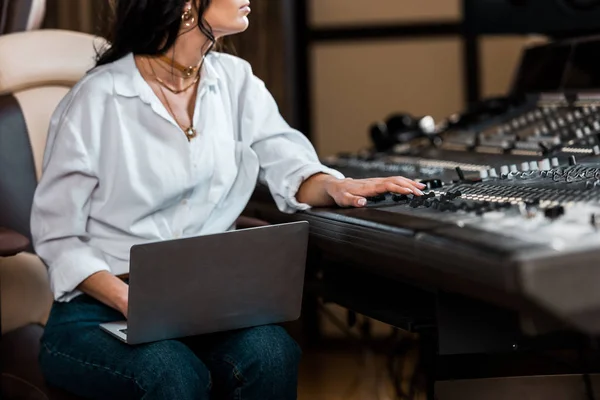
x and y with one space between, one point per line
256 363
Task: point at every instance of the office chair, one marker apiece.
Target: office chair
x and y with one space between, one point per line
21 15
37 68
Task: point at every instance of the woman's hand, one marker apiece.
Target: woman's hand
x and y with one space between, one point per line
353 192
108 289
123 305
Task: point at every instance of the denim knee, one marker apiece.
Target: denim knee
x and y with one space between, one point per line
169 369
271 356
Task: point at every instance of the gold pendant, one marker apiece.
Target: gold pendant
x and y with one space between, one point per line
190 133
188 71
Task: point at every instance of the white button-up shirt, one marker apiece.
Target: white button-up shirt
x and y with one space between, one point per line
119 171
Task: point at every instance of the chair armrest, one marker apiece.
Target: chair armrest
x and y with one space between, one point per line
244 222
11 242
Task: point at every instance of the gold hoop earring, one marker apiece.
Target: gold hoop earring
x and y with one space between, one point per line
187 17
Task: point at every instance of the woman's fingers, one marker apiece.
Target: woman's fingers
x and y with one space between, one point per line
354 193
352 200
415 186
394 188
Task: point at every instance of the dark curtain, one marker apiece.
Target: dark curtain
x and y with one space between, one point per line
90 16
262 44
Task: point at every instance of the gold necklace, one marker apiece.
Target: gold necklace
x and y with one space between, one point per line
172 71
187 71
190 132
169 88
172 90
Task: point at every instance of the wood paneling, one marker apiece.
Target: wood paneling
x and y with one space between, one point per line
356 84
343 12
263 46
90 16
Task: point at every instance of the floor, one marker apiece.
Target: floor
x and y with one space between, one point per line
350 375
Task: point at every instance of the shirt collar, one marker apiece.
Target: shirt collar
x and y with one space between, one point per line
128 81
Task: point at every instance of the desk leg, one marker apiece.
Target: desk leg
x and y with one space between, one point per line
428 355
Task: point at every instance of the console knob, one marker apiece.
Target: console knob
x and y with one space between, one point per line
492 173
504 170
513 168
399 197
554 162
524 167
596 150
376 199
453 195
554 212
533 166
483 174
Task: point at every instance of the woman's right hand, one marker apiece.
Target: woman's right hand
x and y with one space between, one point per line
123 304
107 288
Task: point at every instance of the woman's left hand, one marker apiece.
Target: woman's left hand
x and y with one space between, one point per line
353 192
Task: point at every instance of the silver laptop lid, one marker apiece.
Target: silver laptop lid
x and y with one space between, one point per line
217 282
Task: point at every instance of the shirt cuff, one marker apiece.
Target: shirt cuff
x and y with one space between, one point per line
72 269
295 181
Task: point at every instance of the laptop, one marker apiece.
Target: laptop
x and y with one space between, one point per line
213 283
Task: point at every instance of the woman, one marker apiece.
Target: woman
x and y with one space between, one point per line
164 139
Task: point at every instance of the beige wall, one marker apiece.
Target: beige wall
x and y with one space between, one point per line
357 83
327 12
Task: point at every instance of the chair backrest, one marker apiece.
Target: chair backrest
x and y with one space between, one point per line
37 68
21 15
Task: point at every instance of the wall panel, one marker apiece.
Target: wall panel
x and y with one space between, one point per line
343 12
355 84
499 59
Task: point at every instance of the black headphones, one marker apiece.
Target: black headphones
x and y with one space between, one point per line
400 128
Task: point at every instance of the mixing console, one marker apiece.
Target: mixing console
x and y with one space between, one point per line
512 203
513 192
